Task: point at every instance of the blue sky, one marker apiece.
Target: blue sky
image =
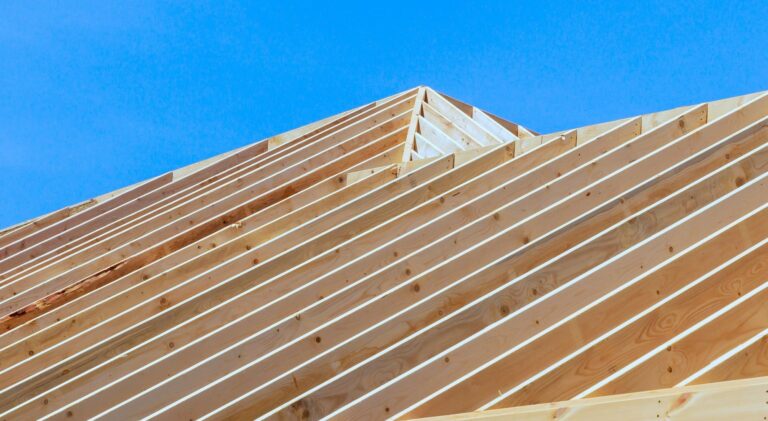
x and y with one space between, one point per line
98 95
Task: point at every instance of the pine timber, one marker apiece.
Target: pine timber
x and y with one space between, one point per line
412 257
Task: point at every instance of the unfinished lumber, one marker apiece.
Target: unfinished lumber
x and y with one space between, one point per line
415 256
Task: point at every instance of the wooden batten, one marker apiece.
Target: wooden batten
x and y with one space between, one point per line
413 257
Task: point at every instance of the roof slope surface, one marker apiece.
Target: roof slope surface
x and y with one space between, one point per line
412 257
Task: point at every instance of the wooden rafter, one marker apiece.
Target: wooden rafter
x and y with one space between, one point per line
412 257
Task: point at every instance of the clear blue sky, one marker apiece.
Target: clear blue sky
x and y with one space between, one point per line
97 95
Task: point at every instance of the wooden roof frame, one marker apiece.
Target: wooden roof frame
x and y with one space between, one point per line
412 257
